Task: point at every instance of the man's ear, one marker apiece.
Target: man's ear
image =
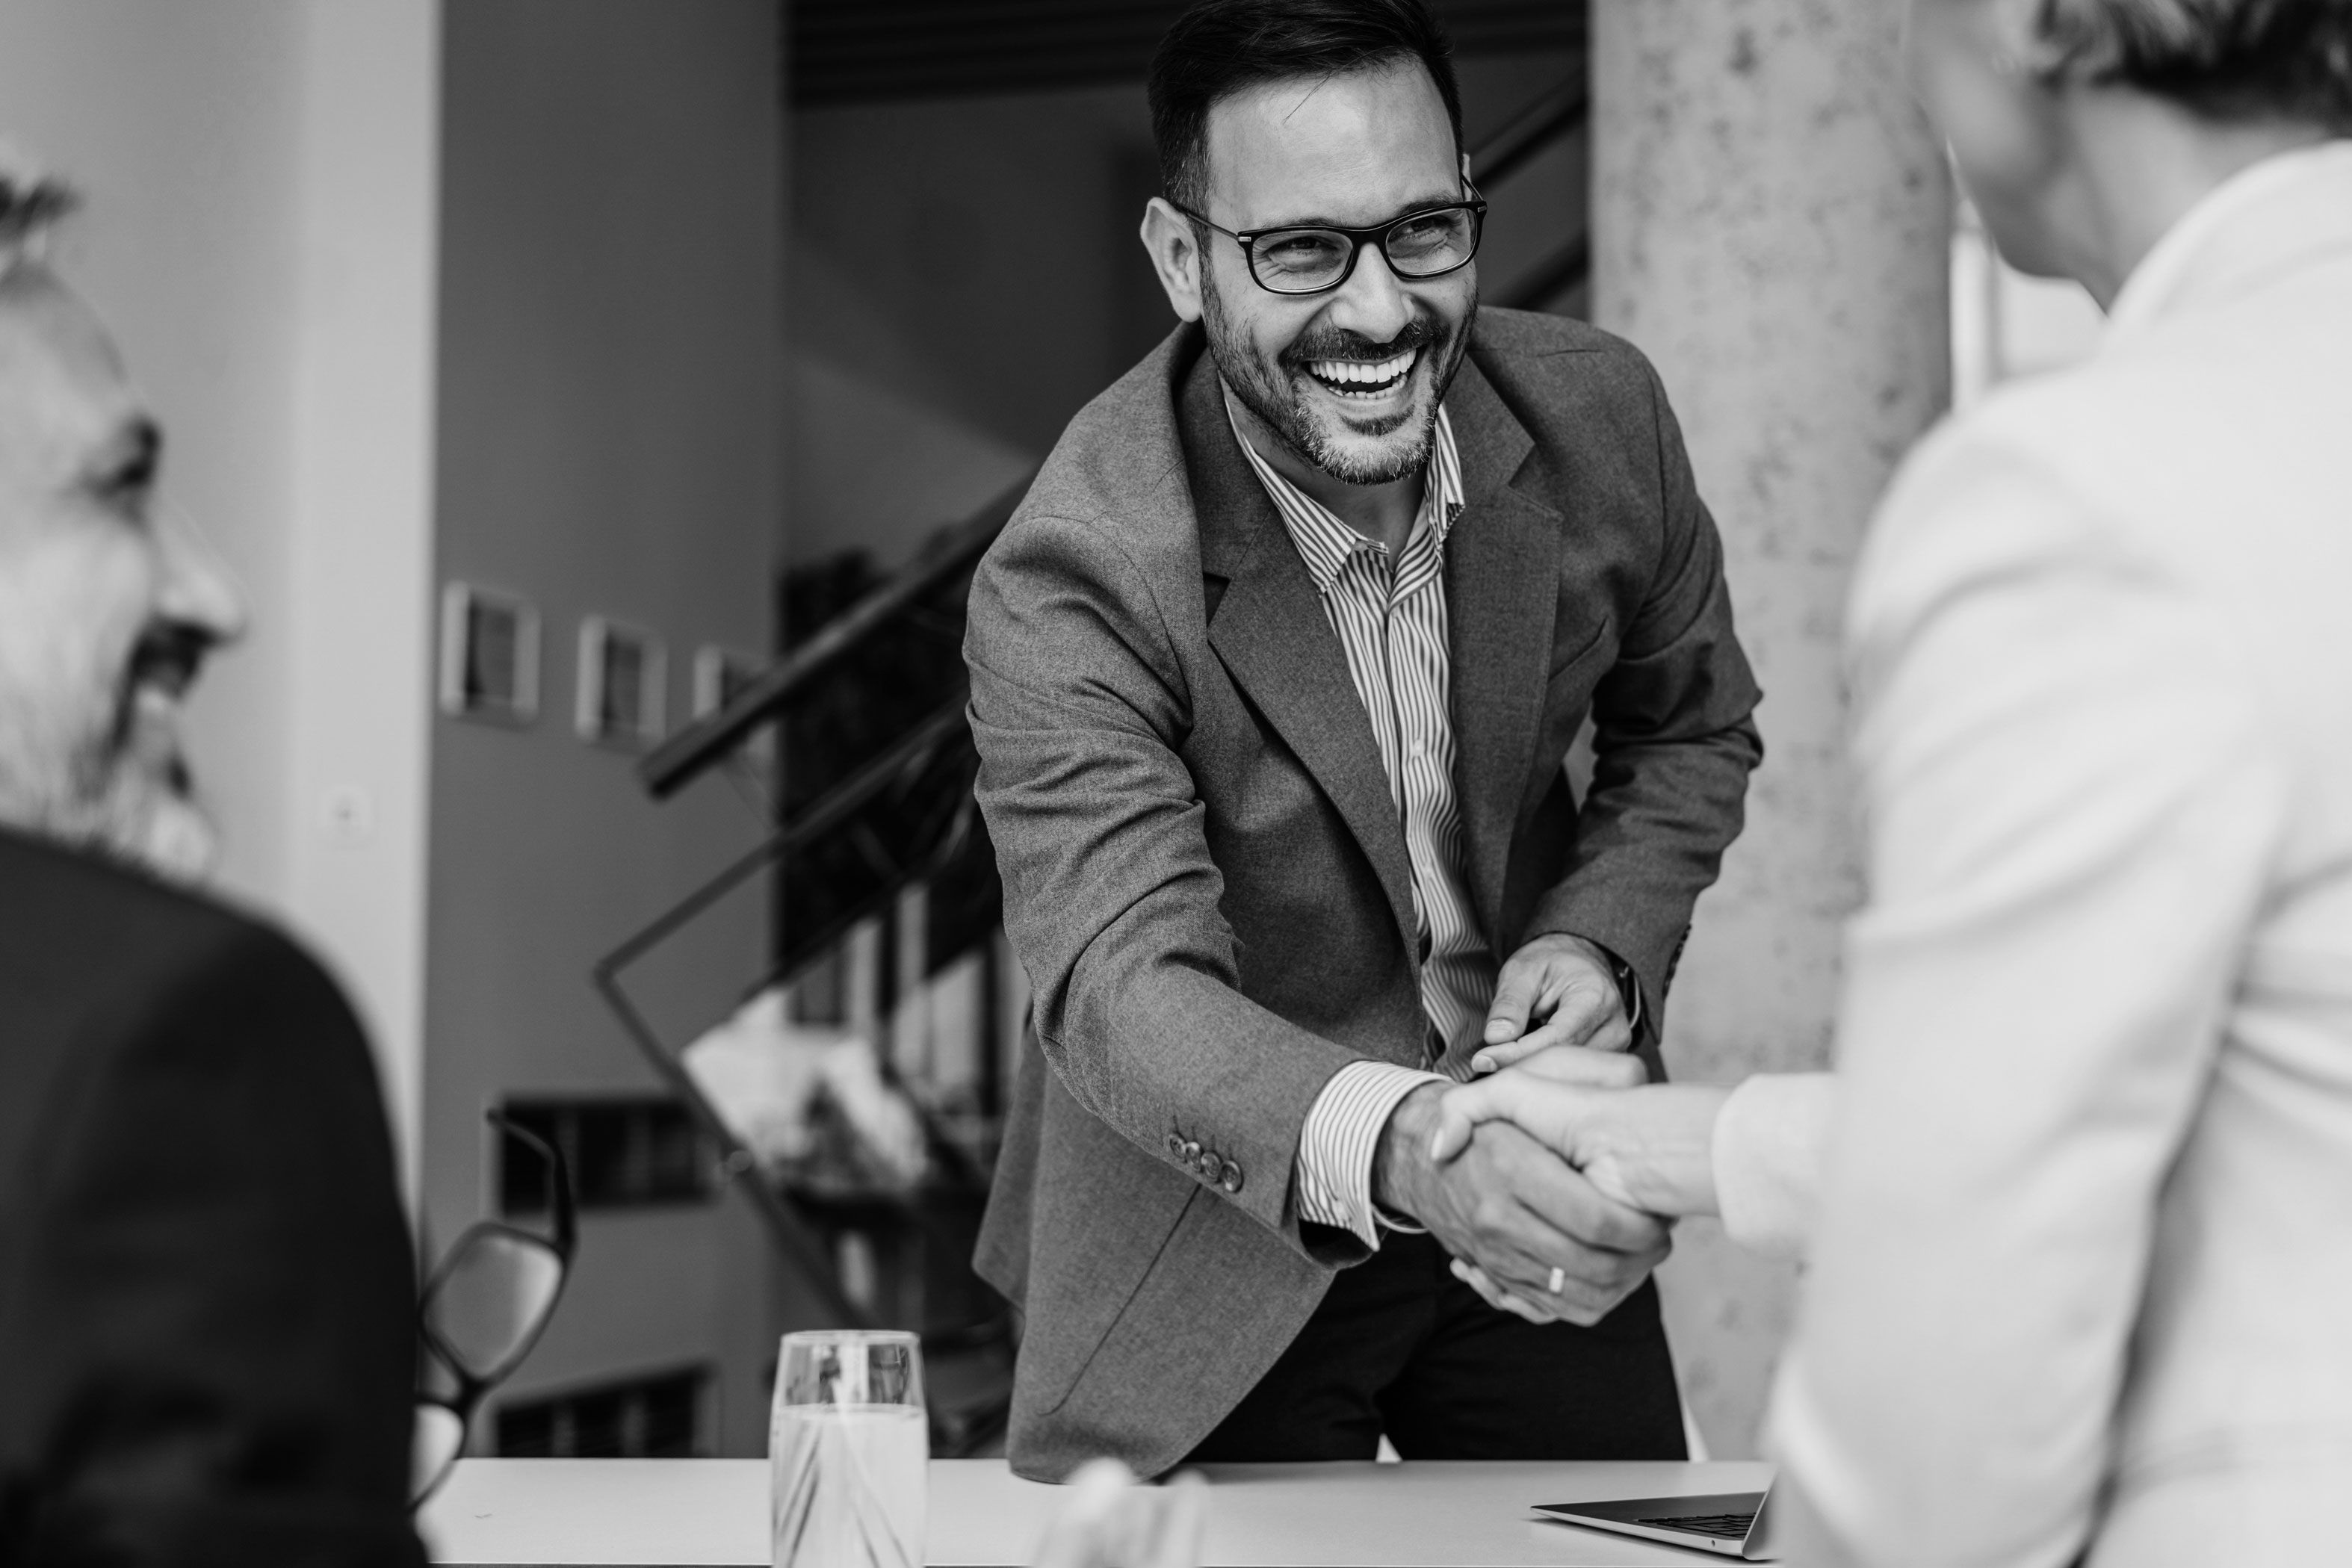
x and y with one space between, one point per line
2021 46
1466 185
1176 258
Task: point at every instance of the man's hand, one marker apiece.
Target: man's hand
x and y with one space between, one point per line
1650 1147
1557 990
1518 1211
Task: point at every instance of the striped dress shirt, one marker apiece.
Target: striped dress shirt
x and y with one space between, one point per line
1392 623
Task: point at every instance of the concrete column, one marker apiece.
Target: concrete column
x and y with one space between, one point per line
1771 226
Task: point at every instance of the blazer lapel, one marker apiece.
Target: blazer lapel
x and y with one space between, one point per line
1502 586
1269 628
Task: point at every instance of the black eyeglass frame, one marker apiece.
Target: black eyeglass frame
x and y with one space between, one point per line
1475 206
472 1387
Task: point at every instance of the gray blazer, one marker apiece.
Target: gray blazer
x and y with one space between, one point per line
1205 880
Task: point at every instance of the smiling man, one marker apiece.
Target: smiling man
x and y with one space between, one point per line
1274 674
207 1351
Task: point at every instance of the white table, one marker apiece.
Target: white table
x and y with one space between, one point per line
705 1513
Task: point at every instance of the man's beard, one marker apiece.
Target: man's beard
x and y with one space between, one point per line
1271 392
90 773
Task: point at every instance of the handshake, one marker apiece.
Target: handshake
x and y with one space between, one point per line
1553 1180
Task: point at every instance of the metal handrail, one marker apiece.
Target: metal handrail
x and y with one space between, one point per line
1548 117
694 750
782 1218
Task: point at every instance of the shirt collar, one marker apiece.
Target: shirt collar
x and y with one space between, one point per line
1322 538
2265 217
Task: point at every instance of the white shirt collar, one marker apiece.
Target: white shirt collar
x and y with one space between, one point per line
1321 537
2285 206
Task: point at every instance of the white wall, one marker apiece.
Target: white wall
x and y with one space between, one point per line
259 175
609 419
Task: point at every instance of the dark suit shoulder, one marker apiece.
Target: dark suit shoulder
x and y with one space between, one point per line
205 1274
56 897
99 960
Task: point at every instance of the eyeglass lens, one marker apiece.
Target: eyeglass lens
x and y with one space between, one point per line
490 1299
434 1443
1299 261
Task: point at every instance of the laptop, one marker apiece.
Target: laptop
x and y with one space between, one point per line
1732 1524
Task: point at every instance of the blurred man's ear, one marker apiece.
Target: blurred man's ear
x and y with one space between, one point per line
1175 251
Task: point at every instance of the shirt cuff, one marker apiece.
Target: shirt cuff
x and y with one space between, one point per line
1770 1138
1342 1134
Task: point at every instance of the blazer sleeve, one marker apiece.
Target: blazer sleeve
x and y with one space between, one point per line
2073 801
220 1289
1111 898
1671 748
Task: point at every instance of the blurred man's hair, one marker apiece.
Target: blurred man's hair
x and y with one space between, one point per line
1220 48
2236 60
30 201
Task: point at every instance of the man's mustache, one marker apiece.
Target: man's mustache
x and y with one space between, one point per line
167 657
1338 343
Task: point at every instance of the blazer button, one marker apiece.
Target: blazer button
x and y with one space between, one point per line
1213 1169
1233 1182
1175 1146
1191 1153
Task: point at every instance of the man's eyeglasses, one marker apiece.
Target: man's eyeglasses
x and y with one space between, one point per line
483 1310
1418 245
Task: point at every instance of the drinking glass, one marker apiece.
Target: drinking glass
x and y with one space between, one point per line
848 1450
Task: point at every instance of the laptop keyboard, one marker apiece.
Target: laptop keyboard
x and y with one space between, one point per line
1728 1526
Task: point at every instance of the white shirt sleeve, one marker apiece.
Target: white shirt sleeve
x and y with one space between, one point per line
1769 1140
1342 1134
2071 798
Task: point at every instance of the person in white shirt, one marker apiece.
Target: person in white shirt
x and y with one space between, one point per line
2078 1203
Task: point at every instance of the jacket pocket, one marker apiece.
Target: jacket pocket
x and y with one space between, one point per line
1104 1210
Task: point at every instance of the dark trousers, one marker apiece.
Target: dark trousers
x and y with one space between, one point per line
1402 1347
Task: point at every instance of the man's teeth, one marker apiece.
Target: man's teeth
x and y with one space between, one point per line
1360 373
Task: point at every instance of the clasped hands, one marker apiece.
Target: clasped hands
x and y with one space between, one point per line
1551 1185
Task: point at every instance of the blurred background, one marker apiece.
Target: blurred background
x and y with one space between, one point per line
555 372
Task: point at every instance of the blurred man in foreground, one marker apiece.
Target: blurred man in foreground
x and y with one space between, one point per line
205 1283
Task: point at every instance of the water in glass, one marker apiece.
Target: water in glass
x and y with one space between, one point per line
848 1451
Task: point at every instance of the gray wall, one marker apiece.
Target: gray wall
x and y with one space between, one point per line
607 424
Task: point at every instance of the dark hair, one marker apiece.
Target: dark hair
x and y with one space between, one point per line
2225 59
1220 48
